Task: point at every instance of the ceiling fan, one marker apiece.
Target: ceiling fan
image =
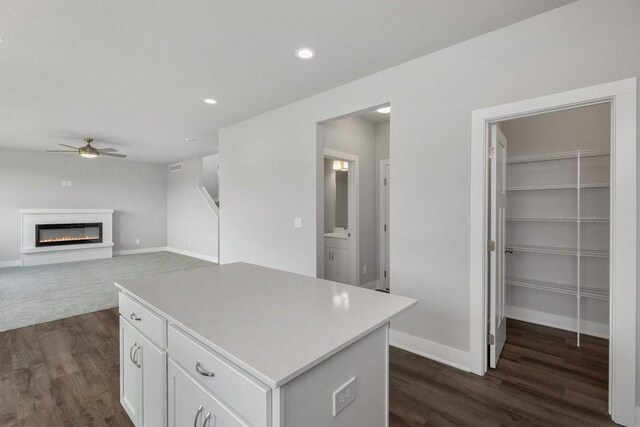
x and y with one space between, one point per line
89 152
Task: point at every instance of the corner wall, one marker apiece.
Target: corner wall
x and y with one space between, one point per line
192 229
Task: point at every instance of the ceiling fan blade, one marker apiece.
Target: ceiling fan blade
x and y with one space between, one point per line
65 145
107 150
122 156
62 151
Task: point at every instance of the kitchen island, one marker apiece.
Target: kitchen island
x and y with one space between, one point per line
243 345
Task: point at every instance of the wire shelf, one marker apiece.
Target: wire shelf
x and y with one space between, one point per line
558 156
559 250
561 288
554 219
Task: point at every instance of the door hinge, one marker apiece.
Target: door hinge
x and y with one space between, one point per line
491 339
385 273
492 152
385 182
385 228
491 245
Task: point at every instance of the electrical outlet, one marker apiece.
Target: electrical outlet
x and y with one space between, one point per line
297 222
69 183
364 269
344 395
137 241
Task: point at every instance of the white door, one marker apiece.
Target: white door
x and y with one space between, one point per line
387 225
153 363
497 320
130 373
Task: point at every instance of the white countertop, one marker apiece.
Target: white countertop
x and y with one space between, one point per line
273 324
337 235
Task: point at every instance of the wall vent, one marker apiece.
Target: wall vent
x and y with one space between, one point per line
175 168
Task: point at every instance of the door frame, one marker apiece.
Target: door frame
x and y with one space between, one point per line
623 210
353 211
382 236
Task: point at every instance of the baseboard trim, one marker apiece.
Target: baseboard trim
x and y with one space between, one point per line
139 251
431 350
13 263
193 254
587 327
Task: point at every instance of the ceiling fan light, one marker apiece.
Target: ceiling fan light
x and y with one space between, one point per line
88 155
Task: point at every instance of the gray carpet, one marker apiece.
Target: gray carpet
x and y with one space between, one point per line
31 295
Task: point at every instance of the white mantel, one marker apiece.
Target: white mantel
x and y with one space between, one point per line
32 255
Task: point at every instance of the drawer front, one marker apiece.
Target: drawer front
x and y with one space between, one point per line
245 395
143 319
335 242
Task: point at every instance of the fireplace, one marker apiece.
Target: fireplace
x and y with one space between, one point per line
68 234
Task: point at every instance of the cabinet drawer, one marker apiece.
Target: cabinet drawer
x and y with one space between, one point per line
336 242
245 395
144 320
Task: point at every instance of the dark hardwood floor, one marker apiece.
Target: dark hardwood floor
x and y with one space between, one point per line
542 379
65 373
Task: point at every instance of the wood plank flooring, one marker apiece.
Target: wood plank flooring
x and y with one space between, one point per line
65 373
542 379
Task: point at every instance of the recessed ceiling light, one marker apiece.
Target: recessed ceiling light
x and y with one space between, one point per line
305 53
384 110
1 40
189 139
209 101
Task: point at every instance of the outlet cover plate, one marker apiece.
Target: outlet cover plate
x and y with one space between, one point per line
344 395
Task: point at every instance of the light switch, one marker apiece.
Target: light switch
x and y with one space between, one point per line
297 222
344 395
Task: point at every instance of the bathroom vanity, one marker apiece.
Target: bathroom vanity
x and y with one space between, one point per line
243 345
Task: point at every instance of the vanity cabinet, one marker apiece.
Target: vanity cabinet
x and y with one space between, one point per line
336 259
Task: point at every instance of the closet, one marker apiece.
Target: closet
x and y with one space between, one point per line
557 250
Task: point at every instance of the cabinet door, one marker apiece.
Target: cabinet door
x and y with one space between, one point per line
186 399
218 415
329 265
340 261
130 373
153 363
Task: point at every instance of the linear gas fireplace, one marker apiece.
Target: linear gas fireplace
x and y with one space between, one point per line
68 234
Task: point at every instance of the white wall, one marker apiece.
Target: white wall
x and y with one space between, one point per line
31 179
210 175
584 43
569 130
191 226
356 136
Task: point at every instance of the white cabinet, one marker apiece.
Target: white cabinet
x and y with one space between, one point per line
190 404
142 378
336 259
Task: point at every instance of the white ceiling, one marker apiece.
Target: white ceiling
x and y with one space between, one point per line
132 74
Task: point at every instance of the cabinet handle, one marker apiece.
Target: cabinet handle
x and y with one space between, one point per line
135 357
195 421
134 317
206 419
203 372
131 353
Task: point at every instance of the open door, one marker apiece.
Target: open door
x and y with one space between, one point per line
498 205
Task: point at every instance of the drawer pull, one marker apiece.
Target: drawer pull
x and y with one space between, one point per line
134 317
206 419
203 372
195 421
131 353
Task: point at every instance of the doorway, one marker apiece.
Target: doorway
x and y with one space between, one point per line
352 148
485 267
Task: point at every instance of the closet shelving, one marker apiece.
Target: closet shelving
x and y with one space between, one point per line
579 289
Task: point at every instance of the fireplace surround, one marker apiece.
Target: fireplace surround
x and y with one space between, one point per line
52 236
